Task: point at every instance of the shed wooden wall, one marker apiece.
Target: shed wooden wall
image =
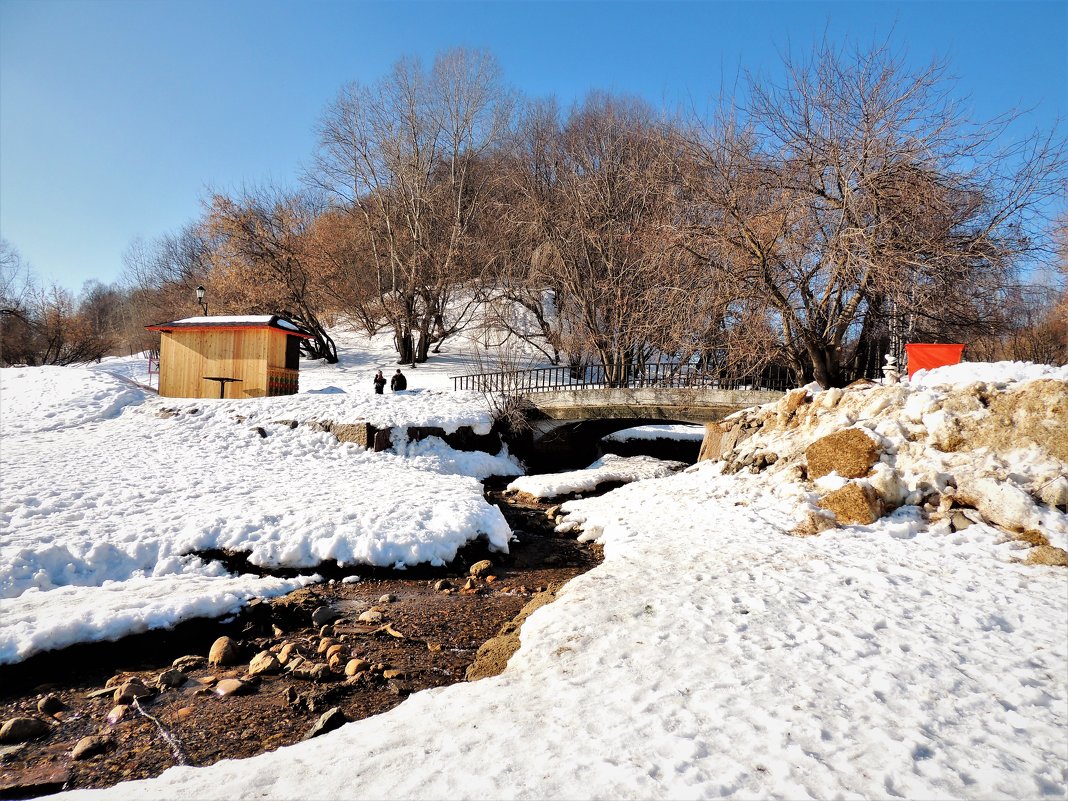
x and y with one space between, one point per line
186 357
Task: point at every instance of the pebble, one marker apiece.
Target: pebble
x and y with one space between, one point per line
224 651
19 730
310 671
335 650
325 644
442 584
50 704
372 615
91 746
117 713
388 598
184 712
331 719
264 662
393 673
326 631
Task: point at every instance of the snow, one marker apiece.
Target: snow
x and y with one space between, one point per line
674 431
105 484
41 621
609 468
228 319
999 373
711 654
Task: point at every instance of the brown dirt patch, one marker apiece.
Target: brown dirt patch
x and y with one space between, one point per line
850 453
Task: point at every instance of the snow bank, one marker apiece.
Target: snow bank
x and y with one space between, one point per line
675 431
609 468
44 621
998 373
93 496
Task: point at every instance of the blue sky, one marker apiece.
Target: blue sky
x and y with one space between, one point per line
116 116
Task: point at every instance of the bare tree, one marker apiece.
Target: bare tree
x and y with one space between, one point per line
402 156
858 192
261 260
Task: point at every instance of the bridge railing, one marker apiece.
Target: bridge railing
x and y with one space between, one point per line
656 375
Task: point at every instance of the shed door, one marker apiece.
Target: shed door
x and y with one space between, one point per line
292 353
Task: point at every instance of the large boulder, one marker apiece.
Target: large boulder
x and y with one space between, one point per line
849 453
225 652
712 444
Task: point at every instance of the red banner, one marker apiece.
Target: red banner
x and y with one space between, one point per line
928 357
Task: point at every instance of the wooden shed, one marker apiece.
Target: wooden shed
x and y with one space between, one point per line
229 356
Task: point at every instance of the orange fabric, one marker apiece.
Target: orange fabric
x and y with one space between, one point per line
927 357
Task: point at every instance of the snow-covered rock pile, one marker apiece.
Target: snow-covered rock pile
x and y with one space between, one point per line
965 451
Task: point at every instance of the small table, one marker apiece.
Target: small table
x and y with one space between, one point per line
223 381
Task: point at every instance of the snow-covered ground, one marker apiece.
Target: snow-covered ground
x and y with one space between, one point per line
107 486
609 468
710 655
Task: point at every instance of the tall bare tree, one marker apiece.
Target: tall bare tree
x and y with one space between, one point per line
859 188
402 156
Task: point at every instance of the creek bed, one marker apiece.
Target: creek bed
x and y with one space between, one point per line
440 633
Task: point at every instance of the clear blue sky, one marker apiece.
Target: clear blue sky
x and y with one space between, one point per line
116 116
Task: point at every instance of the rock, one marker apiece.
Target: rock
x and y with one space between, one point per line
790 403
184 712
470 584
853 503
225 652
264 662
959 521
117 713
326 631
287 652
228 687
50 705
552 512
91 746
1055 493
335 650
35 781
187 663
261 431
398 688
327 722
355 666
442 584
311 671
19 730
295 661
850 453
814 522
323 615
393 673
1048 555
170 678
482 568
117 680
324 644
387 598
372 615
131 691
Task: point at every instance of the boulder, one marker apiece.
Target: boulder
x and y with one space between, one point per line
849 453
324 615
170 678
372 615
853 503
1048 555
131 691
20 730
225 652
187 663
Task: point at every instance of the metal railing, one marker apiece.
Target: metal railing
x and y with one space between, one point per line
656 375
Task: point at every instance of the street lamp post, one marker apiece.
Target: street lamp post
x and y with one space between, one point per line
200 300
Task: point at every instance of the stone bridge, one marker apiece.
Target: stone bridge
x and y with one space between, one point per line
568 423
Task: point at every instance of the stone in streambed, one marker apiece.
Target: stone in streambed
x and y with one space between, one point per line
228 687
324 615
170 678
264 662
50 705
224 653
91 746
133 690
19 730
482 568
330 720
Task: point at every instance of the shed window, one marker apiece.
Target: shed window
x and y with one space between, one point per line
292 353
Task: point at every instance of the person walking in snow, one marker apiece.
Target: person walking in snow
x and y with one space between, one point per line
380 382
398 382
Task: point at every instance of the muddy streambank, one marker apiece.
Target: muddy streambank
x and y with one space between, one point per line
420 629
